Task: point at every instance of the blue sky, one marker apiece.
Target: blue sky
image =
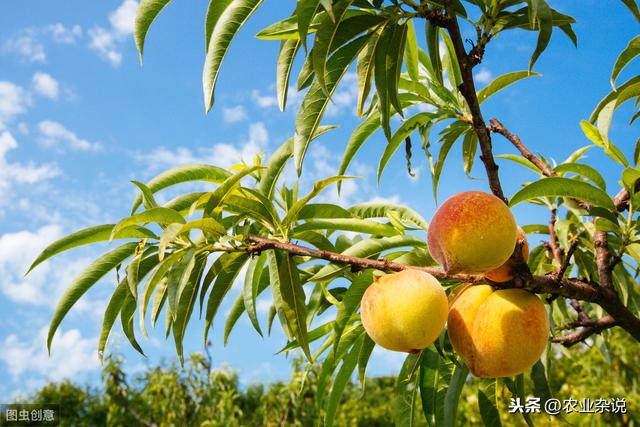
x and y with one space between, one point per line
80 118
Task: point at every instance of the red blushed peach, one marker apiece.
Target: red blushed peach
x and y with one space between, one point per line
472 232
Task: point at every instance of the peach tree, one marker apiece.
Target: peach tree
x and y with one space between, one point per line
184 255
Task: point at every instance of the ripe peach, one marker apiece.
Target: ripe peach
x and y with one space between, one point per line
498 333
404 311
506 271
472 232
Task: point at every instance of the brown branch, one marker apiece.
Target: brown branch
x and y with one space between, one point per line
603 258
549 284
587 328
553 239
567 258
468 90
498 127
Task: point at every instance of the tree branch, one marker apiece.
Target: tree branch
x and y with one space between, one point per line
498 127
588 327
553 239
468 90
549 284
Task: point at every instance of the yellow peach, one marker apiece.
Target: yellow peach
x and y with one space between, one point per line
404 311
498 333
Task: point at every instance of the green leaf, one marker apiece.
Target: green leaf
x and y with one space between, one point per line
207 225
363 359
252 287
364 69
147 12
487 403
633 7
98 233
287 29
292 213
313 335
612 96
288 50
357 139
543 15
585 170
563 187
627 55
181 174
406 129
220 193
349 224
229 268
502 82
388 62
157 215
323 210
469 149
85 280
224 19
366 249
429 382
453 394
324 38
305 10
521 161
187 299
147 196
433 45
599 139
126 320
111 313
289 298
316 100
339 384
381 210
411 53
350 302
406 391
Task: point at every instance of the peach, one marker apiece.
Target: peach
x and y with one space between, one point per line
472 232
506 271
498 333
404 311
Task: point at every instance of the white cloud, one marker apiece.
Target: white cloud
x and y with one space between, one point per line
17 252
54 134
17 172
264 101
46 85
14 100
27 45
65 35
104 42
123 18
107 42
483 76
223 155
27 42
71 354
234 114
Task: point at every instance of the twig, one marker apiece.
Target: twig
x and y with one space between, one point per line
468 90
498 127
587 328
553 239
